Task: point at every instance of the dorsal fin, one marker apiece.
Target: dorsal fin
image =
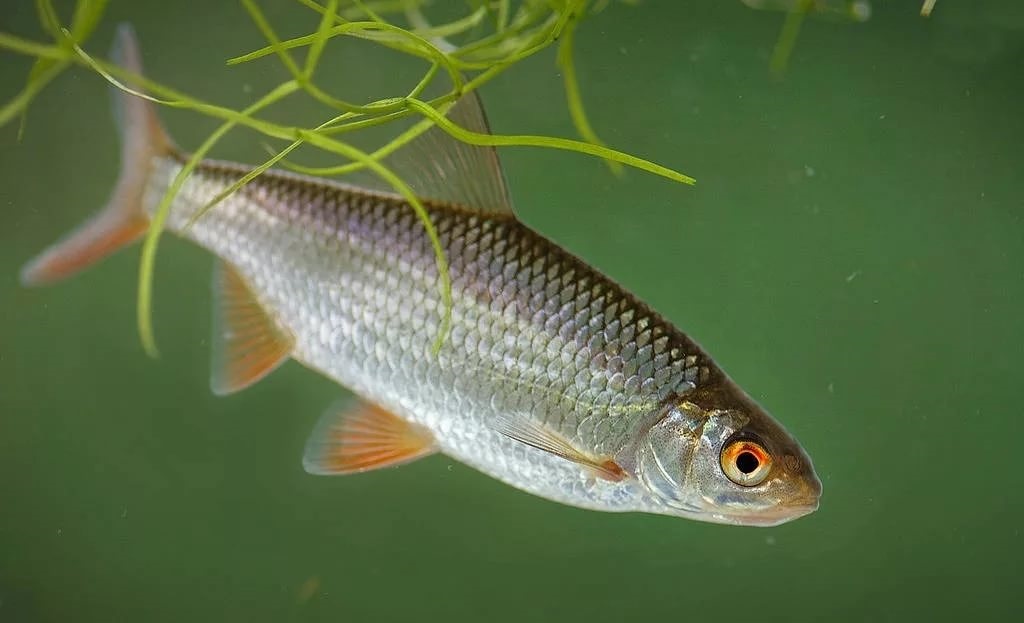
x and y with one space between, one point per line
247 343
438 166
357 436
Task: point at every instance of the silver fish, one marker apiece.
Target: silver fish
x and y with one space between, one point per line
552 378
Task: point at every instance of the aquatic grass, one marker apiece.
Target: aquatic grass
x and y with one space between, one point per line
796 12
498 140
379 154
784 45
490 39
149 246
572 91
87 15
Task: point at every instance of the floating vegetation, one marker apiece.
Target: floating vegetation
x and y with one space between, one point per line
796 11
490 38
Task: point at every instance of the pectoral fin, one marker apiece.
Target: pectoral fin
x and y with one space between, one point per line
352 438
535 435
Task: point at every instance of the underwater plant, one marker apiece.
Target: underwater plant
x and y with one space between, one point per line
471 50
855 11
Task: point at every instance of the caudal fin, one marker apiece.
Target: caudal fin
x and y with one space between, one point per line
123 220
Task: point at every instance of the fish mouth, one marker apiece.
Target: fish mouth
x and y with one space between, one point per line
775 516
761 518
805 503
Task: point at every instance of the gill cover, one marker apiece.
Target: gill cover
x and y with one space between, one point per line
733 465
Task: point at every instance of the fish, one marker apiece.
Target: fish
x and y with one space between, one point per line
550 376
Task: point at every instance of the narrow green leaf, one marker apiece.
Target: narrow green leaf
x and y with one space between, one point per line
572 93
20 102
545 141
786 42
316 48
87 16
31 48
149 246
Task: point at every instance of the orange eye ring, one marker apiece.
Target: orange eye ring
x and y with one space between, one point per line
746 462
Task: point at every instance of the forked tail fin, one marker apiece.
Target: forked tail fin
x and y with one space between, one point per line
123 220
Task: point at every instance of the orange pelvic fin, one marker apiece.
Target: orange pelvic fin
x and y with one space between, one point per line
357 438
247 342
123 220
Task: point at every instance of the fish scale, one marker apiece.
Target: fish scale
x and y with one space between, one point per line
534 332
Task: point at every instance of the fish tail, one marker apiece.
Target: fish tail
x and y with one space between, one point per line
123 220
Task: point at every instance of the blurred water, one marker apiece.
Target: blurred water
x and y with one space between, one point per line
852 255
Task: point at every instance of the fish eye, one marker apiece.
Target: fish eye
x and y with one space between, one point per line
746 462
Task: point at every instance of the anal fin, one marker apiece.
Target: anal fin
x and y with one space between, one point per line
535 435
247 343
359 437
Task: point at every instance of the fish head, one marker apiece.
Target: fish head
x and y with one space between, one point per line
726 462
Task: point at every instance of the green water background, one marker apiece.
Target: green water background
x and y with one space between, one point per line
852 255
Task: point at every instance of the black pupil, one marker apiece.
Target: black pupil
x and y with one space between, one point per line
746 462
